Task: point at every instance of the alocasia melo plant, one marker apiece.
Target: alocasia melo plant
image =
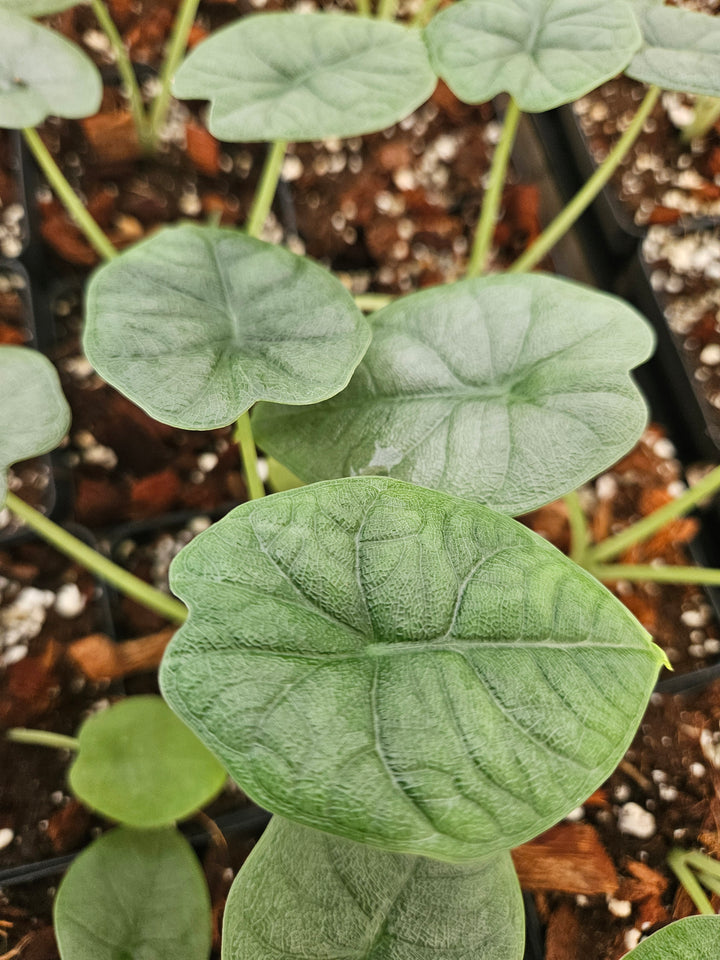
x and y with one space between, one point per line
413 681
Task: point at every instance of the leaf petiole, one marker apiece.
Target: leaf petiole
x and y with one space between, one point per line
579 531
248 453
370 302
262 201
585 196
93 561
178 42
493 195
425 13
645 528
127 74
70 200
678 861
653 574
386 9
43 738
707 111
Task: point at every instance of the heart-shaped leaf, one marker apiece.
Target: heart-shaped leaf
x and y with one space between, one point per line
681 50
138 764
303 893
543 52
197 323
37 8
510 390
34 415
694 938
133 894
285 76
403 668
42 74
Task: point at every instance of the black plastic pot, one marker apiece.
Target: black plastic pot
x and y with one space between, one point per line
617 232
689 414
15 225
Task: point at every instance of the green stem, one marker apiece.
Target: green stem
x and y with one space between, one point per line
370 302
42 738
387 9
707 111
244 439
703 863
363 8
645 528
579 533
660 574
493 194
178 42
126 72
68 197
124 581
262 201
677 863
709 881
424 13
585 196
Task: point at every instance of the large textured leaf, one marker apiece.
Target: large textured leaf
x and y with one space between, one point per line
134 894
34 415
402 667
694 938
197 323
37 8
508 390
285 76
138 764
42 74
681 50
303 893
543 52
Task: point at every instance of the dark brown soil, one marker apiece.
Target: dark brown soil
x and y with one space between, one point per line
46 602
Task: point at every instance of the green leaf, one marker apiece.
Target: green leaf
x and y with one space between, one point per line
286 76
403 668
197 323
681 50
138 764
510 390
37 8
134 894
694 938
42 75
303 893
543 52
34 415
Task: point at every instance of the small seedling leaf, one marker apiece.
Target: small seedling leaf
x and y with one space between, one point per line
34 415
303 893
216 321
138 764
285 76
543 53
694 938
681 50
37 8
508 390
403 668
42 74
132 894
